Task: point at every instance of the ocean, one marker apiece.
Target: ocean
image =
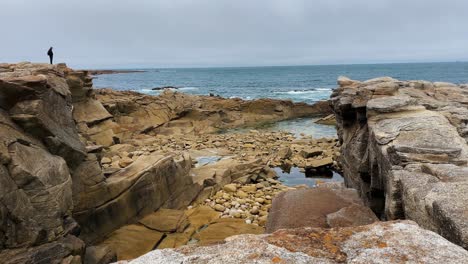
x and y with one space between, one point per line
298 83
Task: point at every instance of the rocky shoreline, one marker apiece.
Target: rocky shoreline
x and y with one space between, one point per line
96 176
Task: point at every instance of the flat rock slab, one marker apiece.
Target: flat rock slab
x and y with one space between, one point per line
201 215
308 207
166 220
382 242
223 228
132 241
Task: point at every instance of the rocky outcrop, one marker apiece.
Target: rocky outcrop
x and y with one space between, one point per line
39 146
149 183
177 113
404 148
382 242
53 188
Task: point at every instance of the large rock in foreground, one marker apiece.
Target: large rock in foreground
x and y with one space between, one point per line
404 148
383 242
324 206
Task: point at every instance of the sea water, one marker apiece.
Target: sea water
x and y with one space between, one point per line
297 83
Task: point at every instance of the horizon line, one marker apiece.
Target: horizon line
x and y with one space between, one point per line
262 66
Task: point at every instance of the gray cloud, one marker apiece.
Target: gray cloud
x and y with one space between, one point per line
161 33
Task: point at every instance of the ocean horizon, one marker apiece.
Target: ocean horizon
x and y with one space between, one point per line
297 83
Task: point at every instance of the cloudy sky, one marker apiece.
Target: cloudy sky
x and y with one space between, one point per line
186 33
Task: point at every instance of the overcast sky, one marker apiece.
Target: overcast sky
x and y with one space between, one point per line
185 33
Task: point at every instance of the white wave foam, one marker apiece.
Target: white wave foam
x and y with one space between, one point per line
187 88
239 97
146 91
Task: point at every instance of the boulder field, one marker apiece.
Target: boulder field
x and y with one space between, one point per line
98 176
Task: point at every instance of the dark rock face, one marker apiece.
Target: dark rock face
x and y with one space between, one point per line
39 143
404 148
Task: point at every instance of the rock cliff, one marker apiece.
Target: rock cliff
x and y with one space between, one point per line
404 148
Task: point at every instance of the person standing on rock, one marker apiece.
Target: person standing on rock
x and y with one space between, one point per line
50 53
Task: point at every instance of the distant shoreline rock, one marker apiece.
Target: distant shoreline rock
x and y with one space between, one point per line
101 72
165 87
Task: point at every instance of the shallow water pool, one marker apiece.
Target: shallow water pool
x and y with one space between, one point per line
297 126
296 177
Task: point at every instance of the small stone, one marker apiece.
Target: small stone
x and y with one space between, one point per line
125 162
249 188
219 208
106 160
241 194
260 200
254 210
230 187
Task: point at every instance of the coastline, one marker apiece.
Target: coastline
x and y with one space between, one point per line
129 173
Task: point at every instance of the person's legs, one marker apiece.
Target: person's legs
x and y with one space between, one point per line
51 59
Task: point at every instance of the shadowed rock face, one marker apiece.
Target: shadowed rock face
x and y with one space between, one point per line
382 242
404 148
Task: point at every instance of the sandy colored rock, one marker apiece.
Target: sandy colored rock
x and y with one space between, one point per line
230 187
201 215
174 240
223 228
132 241
166 220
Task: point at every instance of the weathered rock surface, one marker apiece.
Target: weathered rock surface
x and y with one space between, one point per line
404 148
382 242
166 220
39 145
149 183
